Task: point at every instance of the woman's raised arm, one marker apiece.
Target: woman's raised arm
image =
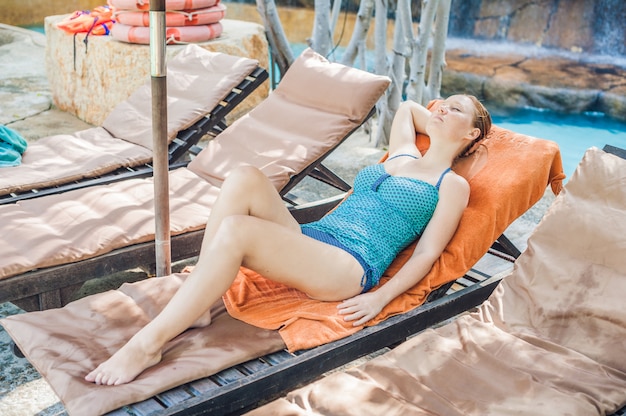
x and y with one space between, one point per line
410 118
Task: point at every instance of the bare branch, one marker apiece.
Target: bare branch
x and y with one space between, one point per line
415 90
361 27
438 54
279 45
380 37
322 35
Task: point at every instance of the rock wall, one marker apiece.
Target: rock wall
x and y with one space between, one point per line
590 26
516 80
89 78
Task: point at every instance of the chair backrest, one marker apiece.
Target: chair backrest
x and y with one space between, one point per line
188 97
198 81
316 104
568 288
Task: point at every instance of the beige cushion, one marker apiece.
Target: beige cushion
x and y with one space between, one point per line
63 158
88 222
312 81
316 104
197 80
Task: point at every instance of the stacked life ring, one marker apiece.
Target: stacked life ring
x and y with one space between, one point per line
186 21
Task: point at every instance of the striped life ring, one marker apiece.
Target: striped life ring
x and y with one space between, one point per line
144 5
174 18
173 35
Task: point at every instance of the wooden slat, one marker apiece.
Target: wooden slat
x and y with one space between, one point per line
119 412
202 386
146 407
174 396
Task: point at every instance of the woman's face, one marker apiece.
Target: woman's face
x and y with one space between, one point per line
453 119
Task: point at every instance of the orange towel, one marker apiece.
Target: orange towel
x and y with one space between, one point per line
507 176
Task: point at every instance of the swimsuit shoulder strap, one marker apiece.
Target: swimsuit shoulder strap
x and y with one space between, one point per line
441 177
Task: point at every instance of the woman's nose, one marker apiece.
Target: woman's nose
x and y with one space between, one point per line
443 108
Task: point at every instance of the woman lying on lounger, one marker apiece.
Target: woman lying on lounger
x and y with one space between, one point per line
342 256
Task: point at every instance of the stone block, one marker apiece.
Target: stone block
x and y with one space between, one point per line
89 76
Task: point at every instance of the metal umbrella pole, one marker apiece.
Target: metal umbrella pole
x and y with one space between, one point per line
158 72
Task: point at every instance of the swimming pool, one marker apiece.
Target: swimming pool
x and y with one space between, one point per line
574 133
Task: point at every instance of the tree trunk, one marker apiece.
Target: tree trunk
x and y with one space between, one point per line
280 48
359 35
380 37
322 35
402 39
438 54
416 87
336 12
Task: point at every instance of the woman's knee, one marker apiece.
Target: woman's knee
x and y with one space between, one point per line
243 181
246 175
231 233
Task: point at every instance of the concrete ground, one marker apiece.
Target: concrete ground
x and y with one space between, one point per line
26 106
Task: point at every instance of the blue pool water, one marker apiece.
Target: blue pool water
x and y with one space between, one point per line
574 133
36 28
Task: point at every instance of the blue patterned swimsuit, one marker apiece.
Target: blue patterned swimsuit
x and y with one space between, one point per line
381 217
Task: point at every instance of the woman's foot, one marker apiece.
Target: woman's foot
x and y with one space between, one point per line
125 365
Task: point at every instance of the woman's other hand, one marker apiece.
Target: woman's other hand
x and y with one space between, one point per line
361 308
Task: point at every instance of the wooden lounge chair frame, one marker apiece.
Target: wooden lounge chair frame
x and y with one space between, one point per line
184 144
243 387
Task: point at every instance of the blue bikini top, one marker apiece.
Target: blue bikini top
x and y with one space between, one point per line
382 216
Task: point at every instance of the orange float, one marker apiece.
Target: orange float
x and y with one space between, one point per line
191 17
144 5
173 35
95 22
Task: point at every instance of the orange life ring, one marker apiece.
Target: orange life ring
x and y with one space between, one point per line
182 34
173 18
144 5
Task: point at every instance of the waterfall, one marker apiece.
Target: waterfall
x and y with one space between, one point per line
609 27
582 26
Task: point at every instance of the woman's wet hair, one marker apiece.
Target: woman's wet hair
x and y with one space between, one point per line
482 121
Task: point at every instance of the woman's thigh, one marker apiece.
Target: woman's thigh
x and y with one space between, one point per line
281 254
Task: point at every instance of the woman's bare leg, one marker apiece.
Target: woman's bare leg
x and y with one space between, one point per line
249 226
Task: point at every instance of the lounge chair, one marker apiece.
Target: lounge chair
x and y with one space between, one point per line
550 339
232 366
62 240
203 88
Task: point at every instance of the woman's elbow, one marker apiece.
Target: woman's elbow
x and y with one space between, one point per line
427 256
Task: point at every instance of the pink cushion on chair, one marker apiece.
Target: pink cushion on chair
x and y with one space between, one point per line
333 98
